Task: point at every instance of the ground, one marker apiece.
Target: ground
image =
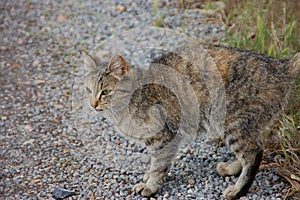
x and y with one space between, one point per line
43 146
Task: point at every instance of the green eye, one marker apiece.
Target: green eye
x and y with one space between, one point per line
106 92
88 90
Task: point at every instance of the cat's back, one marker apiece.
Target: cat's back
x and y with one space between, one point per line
233 64
256 85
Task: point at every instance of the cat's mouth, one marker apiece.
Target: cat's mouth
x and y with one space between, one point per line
101 107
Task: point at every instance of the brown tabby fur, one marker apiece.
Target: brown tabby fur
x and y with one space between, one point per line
256 87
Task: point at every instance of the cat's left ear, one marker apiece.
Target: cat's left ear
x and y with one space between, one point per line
89 61
118 67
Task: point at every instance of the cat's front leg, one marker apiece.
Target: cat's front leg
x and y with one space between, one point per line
160 164
152 182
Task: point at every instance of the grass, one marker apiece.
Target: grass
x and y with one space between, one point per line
271 27
158 19
269 30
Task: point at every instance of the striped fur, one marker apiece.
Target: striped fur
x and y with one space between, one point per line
256 87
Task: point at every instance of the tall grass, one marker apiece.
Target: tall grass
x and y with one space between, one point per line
263 26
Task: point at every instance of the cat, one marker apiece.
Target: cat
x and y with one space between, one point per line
256 87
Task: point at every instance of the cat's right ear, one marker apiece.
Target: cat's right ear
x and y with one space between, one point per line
88 60
118 67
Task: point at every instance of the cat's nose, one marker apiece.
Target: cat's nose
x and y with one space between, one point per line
94 104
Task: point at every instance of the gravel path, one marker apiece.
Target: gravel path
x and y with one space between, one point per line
43 143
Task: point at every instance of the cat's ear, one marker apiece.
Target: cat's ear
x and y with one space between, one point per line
118 67
89 61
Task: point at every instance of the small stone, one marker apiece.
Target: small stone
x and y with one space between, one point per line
191 181
59 193
58 106
35 63
39 82
29 142
62 18
185 150
166 195
121 8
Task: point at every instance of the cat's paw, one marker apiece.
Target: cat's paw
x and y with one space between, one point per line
215 140
143 189
231 193
222 169
226 169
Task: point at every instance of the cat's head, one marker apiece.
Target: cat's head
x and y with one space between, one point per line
102 78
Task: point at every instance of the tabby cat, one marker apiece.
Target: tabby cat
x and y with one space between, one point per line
256 89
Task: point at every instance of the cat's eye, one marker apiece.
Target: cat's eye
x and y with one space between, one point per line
88 90
106 92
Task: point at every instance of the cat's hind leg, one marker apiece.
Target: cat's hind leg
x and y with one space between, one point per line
249 155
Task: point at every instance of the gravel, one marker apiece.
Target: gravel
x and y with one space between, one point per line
48 142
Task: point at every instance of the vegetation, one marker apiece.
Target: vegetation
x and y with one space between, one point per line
266 26
158 19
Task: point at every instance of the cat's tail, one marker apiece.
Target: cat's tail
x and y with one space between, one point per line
294 66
